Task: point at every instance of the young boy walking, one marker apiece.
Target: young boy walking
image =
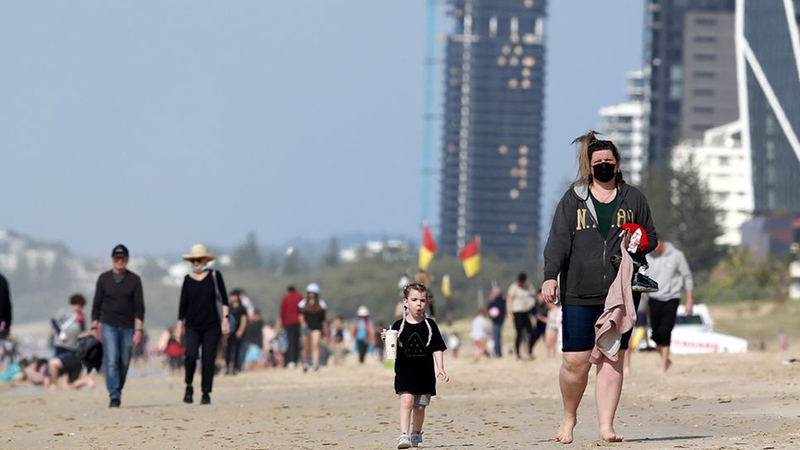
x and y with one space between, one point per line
420 344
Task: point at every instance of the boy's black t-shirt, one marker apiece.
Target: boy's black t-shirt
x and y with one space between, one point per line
414 368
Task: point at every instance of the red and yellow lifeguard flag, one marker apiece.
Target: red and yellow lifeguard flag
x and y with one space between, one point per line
428 248
470 257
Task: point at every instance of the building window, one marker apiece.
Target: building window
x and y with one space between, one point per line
705 21
703 74
704 57
675 91
705 39
703 109
703 92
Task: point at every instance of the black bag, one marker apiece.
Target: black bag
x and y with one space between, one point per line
90 351
218 296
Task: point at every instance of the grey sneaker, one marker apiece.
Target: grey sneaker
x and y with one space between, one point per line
403 441
416 439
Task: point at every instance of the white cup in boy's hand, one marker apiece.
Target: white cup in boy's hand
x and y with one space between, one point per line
390 343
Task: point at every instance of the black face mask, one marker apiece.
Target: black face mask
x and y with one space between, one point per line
604 172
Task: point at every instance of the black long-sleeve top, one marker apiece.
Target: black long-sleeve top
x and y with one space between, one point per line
118 304
5 302
198 306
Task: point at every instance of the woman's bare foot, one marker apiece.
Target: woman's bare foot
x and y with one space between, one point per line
607 434
565 432
667 365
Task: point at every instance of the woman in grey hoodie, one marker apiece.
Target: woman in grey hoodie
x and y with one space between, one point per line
585 234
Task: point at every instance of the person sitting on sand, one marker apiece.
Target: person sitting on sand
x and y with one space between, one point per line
68 325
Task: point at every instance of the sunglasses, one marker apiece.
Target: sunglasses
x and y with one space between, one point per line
196 260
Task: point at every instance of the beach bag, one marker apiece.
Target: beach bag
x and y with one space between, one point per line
90 351
218 296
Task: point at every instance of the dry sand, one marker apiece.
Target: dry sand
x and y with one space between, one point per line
706 401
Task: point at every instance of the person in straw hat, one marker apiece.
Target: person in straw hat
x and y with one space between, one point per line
202 297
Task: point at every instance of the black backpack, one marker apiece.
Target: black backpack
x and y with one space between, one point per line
90 351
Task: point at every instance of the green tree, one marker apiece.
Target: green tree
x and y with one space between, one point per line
331 256
683 214
294 263
247 256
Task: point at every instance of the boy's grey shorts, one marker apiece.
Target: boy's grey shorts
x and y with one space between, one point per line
421 401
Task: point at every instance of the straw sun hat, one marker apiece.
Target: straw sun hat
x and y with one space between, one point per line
198 251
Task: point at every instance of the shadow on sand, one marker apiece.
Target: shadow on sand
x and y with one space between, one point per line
667 438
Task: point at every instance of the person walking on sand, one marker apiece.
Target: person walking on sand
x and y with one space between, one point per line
363 333
420 345
235 351
519 302
5 308
203 300
118 316
584 236
479 333
289 320
668 268
314 324
497 312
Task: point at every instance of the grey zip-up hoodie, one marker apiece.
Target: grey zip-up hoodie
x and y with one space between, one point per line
576 250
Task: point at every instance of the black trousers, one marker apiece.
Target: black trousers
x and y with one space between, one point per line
208 340
662 319
522 323
362 350
293 349
232 356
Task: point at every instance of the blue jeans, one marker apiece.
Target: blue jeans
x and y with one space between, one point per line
497 335
117 349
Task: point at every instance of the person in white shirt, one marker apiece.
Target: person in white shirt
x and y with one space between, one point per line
480 329
519 302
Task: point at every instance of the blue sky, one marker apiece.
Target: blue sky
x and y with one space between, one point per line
162 124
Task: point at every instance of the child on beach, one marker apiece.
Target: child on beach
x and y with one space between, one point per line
480 329
420 343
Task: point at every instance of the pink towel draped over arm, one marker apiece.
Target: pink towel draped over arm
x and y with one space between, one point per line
619 315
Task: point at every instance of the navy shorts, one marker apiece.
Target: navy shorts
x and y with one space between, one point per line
577 326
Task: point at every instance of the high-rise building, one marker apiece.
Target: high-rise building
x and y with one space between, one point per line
768 63
709 73
492 139
724 165
687 47
626 125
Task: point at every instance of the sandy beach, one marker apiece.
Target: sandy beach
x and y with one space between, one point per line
706 401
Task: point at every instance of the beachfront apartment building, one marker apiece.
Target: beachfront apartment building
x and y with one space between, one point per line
723 164
626 125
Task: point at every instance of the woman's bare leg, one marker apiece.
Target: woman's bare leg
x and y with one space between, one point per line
607 393
573 377
315 335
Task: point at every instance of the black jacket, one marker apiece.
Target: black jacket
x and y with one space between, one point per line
5 305
118 304
576 250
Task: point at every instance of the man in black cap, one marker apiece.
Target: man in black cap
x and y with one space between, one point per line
119 307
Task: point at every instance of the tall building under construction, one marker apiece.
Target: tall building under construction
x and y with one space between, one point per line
492 137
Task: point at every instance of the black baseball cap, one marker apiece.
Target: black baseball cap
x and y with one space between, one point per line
120 250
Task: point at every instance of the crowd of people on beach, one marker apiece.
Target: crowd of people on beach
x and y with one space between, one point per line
602 231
